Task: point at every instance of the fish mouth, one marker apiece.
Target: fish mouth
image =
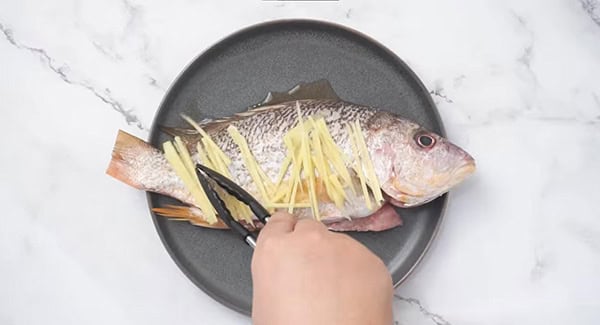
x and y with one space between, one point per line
462 172
406 197
401 198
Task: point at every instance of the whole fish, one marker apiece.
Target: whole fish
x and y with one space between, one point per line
412 164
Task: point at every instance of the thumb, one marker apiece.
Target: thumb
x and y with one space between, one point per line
279 223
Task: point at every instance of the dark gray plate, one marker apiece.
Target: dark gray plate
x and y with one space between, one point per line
238 72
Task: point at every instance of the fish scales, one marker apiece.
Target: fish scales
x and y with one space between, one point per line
412 165
264 132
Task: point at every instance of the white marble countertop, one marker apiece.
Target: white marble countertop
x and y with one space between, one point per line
517 84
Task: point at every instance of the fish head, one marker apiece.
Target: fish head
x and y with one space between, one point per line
414 165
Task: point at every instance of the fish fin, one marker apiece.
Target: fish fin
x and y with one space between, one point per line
320 89
383 219
189 136
214 125
222 123
185 213
126 146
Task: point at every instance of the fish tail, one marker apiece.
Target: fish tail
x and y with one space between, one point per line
185 213
133 159
127 147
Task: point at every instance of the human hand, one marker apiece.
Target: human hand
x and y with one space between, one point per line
304 274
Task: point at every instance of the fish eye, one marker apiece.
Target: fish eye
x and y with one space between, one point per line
425 140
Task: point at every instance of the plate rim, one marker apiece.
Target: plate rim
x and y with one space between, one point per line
265 24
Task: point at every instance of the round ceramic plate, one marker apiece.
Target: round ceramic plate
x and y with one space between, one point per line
238 72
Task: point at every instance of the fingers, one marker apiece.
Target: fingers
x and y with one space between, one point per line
279 223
